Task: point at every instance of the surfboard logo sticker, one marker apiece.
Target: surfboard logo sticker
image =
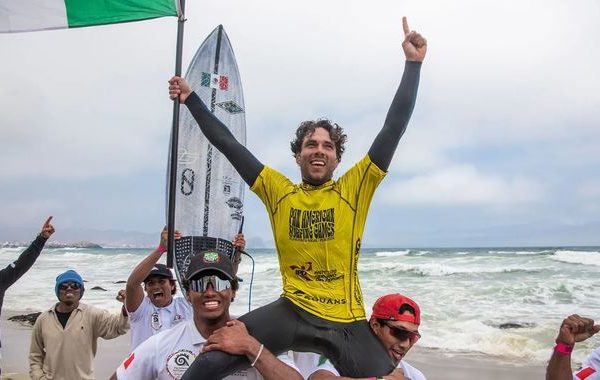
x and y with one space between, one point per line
211 258
220 82
236 206
187 181
186 158
231 107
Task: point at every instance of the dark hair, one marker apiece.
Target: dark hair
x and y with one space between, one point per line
406 307
307 128
173 283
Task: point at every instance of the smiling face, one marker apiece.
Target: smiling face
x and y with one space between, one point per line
397 345
159 290
317 157
210 305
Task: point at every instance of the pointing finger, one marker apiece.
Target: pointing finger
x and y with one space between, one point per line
48 221
405 26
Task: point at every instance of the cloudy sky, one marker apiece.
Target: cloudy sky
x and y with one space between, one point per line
502 149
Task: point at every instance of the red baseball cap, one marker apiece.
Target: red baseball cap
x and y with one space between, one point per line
388 307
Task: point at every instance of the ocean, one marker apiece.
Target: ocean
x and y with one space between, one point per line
467 296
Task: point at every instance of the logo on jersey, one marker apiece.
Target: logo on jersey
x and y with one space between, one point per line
178 362
312 225
302 270
358 298
327 275
323 300
155 321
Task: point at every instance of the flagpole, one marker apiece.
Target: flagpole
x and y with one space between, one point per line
174 144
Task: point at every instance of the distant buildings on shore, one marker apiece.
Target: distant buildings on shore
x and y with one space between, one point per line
52 244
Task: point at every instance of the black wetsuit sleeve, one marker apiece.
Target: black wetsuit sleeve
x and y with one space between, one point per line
15 270
383 148
217 133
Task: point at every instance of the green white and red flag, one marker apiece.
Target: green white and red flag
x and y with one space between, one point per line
217 81
32 15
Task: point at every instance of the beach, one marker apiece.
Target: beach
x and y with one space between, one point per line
435 365
487 313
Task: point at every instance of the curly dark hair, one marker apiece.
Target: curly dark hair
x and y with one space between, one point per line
307 128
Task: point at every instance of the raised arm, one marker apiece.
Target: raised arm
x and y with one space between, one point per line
572 330
383 148
216 132
108 325
15 270
134 293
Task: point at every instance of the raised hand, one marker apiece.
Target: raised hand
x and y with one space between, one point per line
121 296
576 329
414 44
47 228
239 242
164 236
179 87
232 338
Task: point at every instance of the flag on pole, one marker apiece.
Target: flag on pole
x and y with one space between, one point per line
31 15
217 81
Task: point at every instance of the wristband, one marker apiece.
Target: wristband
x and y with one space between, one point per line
260 350
161 249
563 348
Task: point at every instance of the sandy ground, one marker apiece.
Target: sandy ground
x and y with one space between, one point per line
435 365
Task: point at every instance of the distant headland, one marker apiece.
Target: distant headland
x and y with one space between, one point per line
53 244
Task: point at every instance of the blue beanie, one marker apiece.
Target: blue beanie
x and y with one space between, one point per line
68 276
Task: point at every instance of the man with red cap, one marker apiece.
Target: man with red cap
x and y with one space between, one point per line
395 321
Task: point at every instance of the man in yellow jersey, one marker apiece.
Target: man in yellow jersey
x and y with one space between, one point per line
317 226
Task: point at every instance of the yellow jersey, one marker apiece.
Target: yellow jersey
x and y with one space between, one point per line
318 232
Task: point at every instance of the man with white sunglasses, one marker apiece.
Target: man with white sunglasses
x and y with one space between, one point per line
211 284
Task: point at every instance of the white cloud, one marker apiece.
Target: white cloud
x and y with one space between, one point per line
462 185
508 90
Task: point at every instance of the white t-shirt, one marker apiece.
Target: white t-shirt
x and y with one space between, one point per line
307 362
148 319
167 355
590 370
410 372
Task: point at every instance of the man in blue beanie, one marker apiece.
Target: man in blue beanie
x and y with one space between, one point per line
64 338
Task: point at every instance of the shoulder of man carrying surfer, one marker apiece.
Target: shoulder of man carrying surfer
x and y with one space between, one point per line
395 321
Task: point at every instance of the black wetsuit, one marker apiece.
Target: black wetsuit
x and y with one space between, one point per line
281 325
15 270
